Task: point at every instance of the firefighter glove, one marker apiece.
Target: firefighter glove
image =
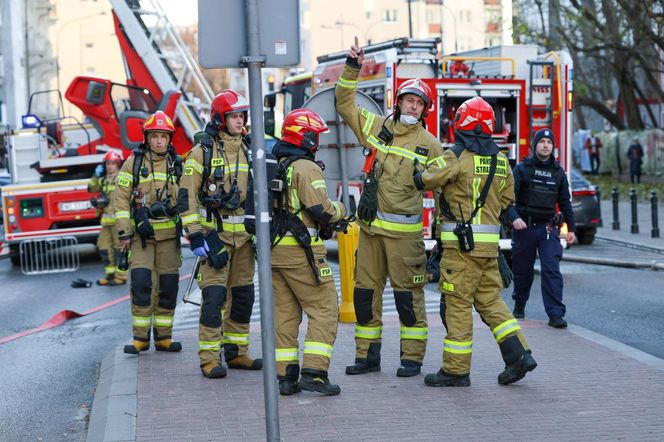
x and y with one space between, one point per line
505 271
99 170
218 255
368 206
199 246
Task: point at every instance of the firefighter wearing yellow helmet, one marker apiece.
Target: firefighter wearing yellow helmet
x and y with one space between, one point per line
477 185
147 224
390 214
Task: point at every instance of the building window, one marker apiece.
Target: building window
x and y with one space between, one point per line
89 45
390 15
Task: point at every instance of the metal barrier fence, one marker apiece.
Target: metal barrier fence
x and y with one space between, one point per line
50 255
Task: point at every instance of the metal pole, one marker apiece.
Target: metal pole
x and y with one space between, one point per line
654 232
599 207
635 215
614 199
343 162
410 19
254 62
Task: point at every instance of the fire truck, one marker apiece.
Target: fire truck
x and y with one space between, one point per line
47 204
528 90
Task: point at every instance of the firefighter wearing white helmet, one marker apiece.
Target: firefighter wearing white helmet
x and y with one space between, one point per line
147 224
476 185
211 202
390 215
108 243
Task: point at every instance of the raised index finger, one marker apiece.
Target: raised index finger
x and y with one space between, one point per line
357 42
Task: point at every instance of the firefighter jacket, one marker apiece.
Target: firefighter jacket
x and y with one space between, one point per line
461 181
539 186
156 181
400 209
105 185
308 199
229 163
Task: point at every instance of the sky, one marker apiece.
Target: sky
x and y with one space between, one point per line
180 12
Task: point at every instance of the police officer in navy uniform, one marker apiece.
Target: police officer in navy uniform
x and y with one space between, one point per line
539 184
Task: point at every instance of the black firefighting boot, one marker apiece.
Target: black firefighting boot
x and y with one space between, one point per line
317 381
442 379
371 363
167 345
518 361
244 362
408 369
136 347
288 385
213 370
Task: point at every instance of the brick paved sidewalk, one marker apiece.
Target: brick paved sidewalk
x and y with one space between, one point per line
581 391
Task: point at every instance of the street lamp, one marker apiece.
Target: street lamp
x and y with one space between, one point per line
57 41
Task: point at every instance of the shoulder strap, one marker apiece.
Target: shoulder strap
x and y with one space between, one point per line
479 203
207 146
139 154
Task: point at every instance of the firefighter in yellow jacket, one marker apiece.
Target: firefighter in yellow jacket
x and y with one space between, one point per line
146 221
301 277
108 242
211 203
390 212
477 185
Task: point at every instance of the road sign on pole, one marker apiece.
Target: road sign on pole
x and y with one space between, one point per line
222 29
252 34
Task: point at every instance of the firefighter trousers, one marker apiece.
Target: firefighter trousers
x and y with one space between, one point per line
295 290
404 261
466 280
236 313
108 245
221 306
154 287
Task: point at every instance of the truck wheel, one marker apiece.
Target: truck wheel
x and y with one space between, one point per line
15 255
585 237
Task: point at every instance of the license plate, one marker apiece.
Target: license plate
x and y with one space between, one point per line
74 206
429 203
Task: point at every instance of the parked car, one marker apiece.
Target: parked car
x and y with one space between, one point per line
586 208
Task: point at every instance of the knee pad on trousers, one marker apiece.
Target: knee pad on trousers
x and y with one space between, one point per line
511 349
103 254
363 302
141 287
242 303
404 304
292 373
213 298
443 308
168 291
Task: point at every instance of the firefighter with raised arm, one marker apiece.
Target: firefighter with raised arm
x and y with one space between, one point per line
147 224
108 243
301 277
211 203
477 185
390 215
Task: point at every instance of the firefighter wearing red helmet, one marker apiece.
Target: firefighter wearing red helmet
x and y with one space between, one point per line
301 276
390 214
147 224
108 243
476 185
211 203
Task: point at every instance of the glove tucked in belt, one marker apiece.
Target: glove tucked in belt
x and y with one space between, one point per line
368 206
505 272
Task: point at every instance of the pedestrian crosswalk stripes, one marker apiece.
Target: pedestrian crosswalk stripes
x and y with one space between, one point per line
186 315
